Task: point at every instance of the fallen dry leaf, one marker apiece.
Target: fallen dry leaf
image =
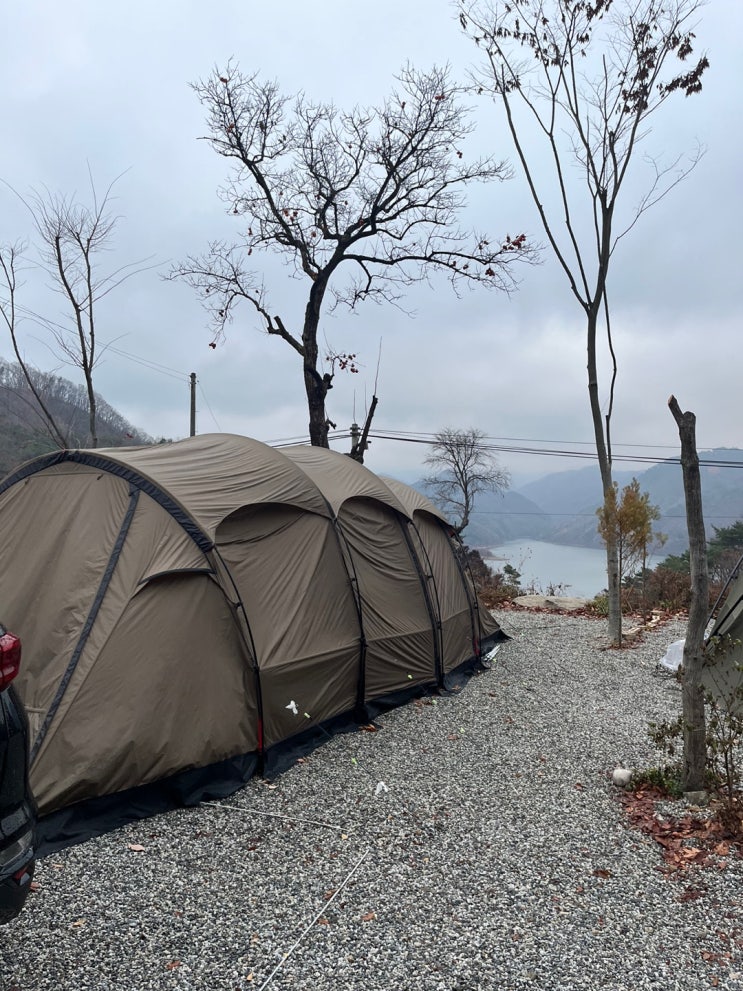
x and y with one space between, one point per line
691 894
135 847
173 965
368 917
369 728
684 841
323 921
602 872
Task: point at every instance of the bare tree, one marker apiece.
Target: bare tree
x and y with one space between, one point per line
360 203
587 76
11 256
464 468
72 238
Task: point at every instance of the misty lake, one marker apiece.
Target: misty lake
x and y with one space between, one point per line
581 571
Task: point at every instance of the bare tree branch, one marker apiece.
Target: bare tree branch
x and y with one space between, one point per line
10 257
465 467
71 238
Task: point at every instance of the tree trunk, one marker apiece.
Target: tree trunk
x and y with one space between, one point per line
692 698
316 386
316 392
614 593
604 459
92 412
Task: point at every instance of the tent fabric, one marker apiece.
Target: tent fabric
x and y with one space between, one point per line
460 608
723 670
193 606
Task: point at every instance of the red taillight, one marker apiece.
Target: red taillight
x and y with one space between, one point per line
10 659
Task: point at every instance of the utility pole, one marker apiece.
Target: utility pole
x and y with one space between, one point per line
193 405
360 439
355 437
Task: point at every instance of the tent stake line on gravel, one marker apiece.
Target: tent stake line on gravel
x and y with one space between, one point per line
312 922
272 815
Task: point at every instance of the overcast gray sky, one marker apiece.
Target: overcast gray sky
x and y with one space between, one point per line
107 84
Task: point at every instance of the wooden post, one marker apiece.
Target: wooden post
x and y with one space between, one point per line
692 697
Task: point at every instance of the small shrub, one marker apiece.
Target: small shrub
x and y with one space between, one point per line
724 743
493 587
667 779
664 588
599 604
511 575
668 735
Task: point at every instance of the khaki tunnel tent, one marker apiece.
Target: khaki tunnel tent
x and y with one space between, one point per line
190 611
722 674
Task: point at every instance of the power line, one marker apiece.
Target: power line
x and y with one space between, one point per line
564 453
429 437
146 362
203 396
302 439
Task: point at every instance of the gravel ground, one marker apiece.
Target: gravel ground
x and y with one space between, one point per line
473 842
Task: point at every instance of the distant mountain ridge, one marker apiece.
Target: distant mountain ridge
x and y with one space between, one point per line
561 507
501 517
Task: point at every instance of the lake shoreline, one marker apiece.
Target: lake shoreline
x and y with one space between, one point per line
545 567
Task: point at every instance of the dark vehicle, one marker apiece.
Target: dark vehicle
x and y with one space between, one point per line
17 811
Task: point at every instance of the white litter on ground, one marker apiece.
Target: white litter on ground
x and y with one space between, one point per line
674 656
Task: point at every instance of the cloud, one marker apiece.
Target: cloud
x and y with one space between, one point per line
108 85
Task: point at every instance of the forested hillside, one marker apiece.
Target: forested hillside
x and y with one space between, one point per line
24 431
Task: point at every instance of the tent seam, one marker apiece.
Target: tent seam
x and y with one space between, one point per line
434 613
89 622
